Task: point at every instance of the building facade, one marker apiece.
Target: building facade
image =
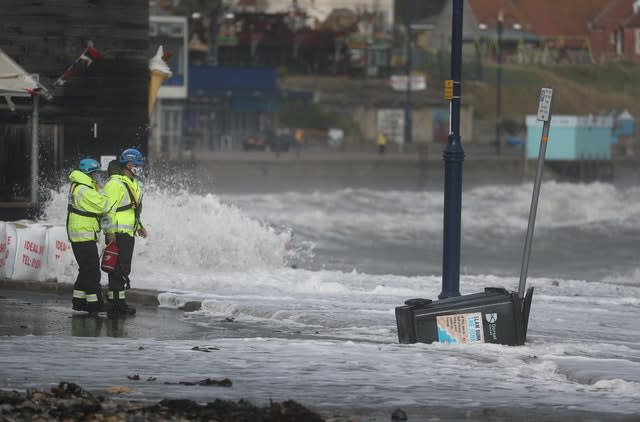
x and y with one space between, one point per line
99 110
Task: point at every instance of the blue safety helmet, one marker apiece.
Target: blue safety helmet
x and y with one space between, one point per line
131 155
88 165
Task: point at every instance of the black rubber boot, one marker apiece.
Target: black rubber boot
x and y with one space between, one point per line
79 304
119 308
95 308
127 310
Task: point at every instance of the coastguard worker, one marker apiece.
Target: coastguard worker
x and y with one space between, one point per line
86 206
122 224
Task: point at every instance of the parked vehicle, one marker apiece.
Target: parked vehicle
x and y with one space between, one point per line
281 142
256 142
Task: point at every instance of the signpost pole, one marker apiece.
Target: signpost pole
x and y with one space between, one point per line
544 114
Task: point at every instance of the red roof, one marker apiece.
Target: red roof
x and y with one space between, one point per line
632 21
486 12
614 14
553 17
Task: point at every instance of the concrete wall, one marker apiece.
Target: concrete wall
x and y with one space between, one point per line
366 117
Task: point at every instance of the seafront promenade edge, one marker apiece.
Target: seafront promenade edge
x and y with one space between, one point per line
478 162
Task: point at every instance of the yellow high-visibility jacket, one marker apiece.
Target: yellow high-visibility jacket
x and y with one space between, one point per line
85 207
125 204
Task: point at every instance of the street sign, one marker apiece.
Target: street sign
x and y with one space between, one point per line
105 160
448 89
544 108
399 82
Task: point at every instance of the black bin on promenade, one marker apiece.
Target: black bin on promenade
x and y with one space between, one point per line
493 316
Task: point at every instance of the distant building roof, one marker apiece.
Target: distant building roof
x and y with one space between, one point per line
613 14
632 21
508 35
546 17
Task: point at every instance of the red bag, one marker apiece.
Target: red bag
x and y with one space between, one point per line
109 258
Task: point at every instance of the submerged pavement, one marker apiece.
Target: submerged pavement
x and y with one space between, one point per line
44 310
47 312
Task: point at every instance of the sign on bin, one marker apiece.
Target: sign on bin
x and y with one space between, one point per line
460 328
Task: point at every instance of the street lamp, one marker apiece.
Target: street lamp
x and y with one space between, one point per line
453 156
499 83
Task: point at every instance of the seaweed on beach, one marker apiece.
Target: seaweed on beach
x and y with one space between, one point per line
68 401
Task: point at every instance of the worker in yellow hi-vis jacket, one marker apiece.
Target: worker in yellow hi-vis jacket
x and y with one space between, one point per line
85 208
122 225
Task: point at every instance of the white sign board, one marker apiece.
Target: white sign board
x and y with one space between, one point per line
391 122
336 136
399 83
544 108
105 160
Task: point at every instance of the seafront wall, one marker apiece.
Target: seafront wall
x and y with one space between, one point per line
427 167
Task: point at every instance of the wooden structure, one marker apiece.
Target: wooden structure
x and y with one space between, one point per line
98 111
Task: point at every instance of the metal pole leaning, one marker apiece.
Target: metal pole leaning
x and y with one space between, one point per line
544 114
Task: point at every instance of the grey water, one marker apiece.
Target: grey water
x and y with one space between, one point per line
310 270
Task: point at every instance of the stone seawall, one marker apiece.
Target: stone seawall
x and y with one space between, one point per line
429 168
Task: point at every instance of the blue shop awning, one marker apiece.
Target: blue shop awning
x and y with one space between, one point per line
245 88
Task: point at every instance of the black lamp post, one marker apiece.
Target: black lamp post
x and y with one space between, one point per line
454 318
499 83
453 157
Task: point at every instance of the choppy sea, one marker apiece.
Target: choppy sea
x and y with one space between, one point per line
313 275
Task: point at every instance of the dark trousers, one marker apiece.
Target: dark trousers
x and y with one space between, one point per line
88 280
119 277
